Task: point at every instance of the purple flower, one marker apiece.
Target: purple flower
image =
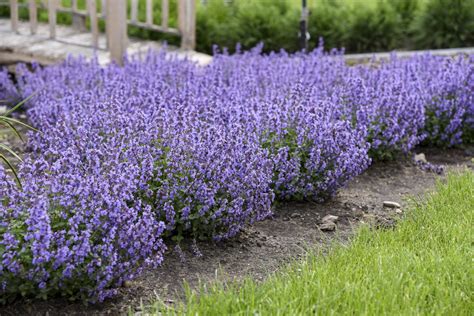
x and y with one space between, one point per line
164 148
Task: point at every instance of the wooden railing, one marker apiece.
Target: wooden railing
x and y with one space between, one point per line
114 12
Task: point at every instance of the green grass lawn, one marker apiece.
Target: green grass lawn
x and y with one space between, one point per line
422 267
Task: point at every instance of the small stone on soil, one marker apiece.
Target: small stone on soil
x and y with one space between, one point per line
421 158
398 211
391 204
330 219
295 215
357 213
327 226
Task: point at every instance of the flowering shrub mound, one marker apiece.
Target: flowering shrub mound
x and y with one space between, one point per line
8 92
448 88
131 157
75 228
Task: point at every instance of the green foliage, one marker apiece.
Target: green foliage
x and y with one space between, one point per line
435 125
378 25
374 29
135 31
275 23
407 11
439 117
421 267
359 26
222 28
300 151
445 23
468 135
321 23
193 224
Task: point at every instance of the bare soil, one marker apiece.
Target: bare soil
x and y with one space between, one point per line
264 247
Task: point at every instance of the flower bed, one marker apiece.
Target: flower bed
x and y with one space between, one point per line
129 158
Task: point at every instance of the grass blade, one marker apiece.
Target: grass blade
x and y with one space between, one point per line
11 152
19 104
15 174
9 119
13 128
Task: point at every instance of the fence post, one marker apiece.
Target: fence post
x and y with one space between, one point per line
92 7
14 15
116 24
33 16
164 14
149 12
103 5
187 23
52 6
134 11
78 21
180 16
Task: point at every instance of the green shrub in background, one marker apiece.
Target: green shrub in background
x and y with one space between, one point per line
445 23
322 24
407 10
374 29
275 22
216 24
357 25
134 31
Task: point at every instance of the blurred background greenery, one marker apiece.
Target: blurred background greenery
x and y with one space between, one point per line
356 25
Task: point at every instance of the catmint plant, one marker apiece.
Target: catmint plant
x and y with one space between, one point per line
134 158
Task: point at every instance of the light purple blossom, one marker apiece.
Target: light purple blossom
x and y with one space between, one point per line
162 148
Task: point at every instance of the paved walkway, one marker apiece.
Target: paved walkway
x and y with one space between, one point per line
24 47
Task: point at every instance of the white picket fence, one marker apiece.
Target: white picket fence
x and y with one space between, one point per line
114 12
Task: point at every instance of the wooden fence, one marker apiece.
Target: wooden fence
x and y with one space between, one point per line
114 12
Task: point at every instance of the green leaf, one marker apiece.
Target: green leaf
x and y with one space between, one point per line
9 119
11 152
19 104
15 174
13 128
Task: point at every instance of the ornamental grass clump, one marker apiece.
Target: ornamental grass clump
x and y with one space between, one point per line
134 158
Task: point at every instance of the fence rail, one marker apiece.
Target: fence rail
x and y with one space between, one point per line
114 12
